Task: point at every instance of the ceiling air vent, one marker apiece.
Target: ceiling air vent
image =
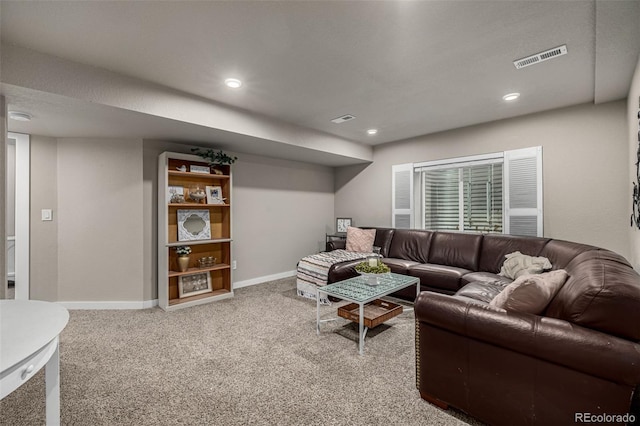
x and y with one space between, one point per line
541 57
343 118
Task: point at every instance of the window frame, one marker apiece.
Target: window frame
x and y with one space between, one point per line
527 220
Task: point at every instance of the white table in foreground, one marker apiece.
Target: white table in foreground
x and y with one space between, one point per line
29 331
357 290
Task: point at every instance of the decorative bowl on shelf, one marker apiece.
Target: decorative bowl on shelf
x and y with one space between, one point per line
206 262
197 193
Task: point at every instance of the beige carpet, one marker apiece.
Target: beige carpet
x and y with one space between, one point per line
253 359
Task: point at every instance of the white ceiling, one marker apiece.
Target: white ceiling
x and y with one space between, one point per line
405 68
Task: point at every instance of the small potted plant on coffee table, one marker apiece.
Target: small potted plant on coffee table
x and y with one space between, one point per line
372 270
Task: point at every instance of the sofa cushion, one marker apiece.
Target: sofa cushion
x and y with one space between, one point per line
517 264
496 246
601 294
485 277
482 291
399 266
360 240
383 239
456 249
560 253
438 276
531 293
343 270
411 244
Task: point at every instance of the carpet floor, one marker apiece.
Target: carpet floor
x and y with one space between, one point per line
252 359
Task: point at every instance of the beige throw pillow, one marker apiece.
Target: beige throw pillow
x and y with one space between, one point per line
360 240
531 293
518 264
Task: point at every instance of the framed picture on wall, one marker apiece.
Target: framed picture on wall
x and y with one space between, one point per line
342 223
190 285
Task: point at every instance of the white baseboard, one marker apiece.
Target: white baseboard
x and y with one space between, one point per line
263 279
146 304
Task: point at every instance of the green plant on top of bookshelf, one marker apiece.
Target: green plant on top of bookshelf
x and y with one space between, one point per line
214 157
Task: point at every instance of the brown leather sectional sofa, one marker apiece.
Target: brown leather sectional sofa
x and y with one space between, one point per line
579 359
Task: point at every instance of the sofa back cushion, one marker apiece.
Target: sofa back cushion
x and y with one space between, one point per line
383 239
411 244
496 246
602 294
560 252
456 249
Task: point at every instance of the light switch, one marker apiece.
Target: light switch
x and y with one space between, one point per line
46 214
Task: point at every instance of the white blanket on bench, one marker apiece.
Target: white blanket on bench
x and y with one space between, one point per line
313 270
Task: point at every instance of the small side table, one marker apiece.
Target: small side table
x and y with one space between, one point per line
29 331
331 237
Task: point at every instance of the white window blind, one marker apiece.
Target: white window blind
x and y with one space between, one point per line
463 198
441 199
483 198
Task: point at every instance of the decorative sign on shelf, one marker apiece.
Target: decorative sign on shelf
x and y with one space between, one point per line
635 201
199 169
193 225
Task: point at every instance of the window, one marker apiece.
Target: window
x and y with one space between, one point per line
499 192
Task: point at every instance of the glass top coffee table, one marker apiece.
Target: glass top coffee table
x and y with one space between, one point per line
358 290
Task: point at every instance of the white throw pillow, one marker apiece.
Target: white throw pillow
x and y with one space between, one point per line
531 293
518 264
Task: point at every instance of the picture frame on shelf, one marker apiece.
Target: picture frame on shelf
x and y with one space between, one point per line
342 223
173 193
193 225
214 195
193 284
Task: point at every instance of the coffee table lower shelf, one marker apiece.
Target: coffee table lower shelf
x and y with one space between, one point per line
375 313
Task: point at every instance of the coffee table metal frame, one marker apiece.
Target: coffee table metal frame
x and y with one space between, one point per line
357 290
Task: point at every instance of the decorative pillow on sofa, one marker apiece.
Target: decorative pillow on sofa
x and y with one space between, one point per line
360 240
518 264
531 293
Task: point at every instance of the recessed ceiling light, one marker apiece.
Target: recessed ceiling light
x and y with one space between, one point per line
511 96
234 83
372 131
19 116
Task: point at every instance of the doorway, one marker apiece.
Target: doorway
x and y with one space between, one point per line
18 215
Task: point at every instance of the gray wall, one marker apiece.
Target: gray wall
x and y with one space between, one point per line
585 162
281 211
100 219
43 271
101 244
92 250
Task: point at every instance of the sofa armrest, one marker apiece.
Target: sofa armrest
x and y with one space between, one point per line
336 244
556 341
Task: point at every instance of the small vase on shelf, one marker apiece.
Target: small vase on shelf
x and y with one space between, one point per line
183 263
183 253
